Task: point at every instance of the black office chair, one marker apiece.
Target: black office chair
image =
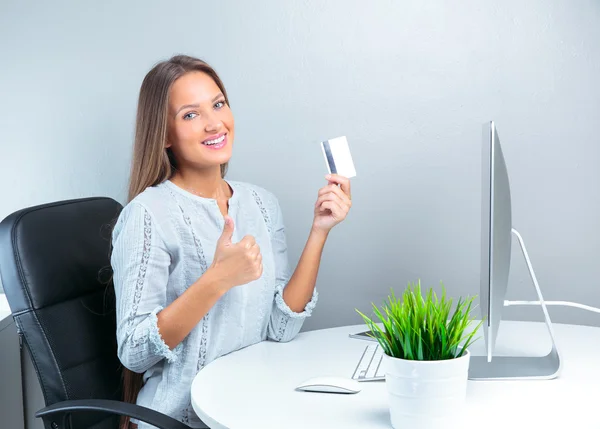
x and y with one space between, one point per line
55 269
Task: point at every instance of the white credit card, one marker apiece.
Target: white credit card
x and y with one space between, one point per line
337 157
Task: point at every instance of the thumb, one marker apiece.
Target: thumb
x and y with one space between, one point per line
225 238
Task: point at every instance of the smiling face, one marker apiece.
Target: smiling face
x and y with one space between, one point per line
200 123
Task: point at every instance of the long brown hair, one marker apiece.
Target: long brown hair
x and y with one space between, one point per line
152 163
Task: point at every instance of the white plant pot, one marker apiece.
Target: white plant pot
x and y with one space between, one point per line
426 394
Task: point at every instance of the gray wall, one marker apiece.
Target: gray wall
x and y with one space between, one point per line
409 83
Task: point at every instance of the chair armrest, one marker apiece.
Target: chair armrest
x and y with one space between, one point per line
61 410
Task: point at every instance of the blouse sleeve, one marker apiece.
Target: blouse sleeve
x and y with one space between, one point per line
140 263
284 323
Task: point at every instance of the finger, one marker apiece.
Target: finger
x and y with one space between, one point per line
336 190
248 241
328 188
329 208
327 197
322 199
344 183
259 271
225 238
343 201
334 208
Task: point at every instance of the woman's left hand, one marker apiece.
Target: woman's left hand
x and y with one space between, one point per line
333 203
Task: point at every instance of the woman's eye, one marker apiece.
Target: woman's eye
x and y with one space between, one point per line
219 104
189 116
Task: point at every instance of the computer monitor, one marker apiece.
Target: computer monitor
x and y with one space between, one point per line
496 238
496 247
496 225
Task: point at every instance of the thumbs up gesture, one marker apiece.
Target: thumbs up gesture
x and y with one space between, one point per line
237 263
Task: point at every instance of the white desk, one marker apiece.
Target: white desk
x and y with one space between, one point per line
254 387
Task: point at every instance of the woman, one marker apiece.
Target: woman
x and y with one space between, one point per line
200 262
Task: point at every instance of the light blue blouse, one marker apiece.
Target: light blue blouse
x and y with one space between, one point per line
163 241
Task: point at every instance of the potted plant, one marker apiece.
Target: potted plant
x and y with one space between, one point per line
426 358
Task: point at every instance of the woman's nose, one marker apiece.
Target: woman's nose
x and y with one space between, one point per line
213 125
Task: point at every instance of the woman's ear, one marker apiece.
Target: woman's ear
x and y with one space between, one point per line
168 144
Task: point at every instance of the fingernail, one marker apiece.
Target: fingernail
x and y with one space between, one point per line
328 176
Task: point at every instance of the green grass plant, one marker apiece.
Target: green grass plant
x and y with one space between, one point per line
423 328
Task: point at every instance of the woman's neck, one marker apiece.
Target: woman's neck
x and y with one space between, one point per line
207 184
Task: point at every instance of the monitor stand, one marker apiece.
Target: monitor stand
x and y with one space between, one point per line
520 367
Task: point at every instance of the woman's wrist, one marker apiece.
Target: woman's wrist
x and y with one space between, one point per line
317 238
318 233
214 280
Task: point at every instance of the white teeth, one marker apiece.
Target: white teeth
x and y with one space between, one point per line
215 141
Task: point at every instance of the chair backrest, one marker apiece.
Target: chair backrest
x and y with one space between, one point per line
55 269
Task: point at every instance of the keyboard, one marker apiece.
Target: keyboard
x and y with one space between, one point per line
369 366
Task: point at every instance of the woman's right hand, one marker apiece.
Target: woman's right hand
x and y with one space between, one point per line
233 265
236 264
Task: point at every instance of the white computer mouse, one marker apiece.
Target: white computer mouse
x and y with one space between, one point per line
330 385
